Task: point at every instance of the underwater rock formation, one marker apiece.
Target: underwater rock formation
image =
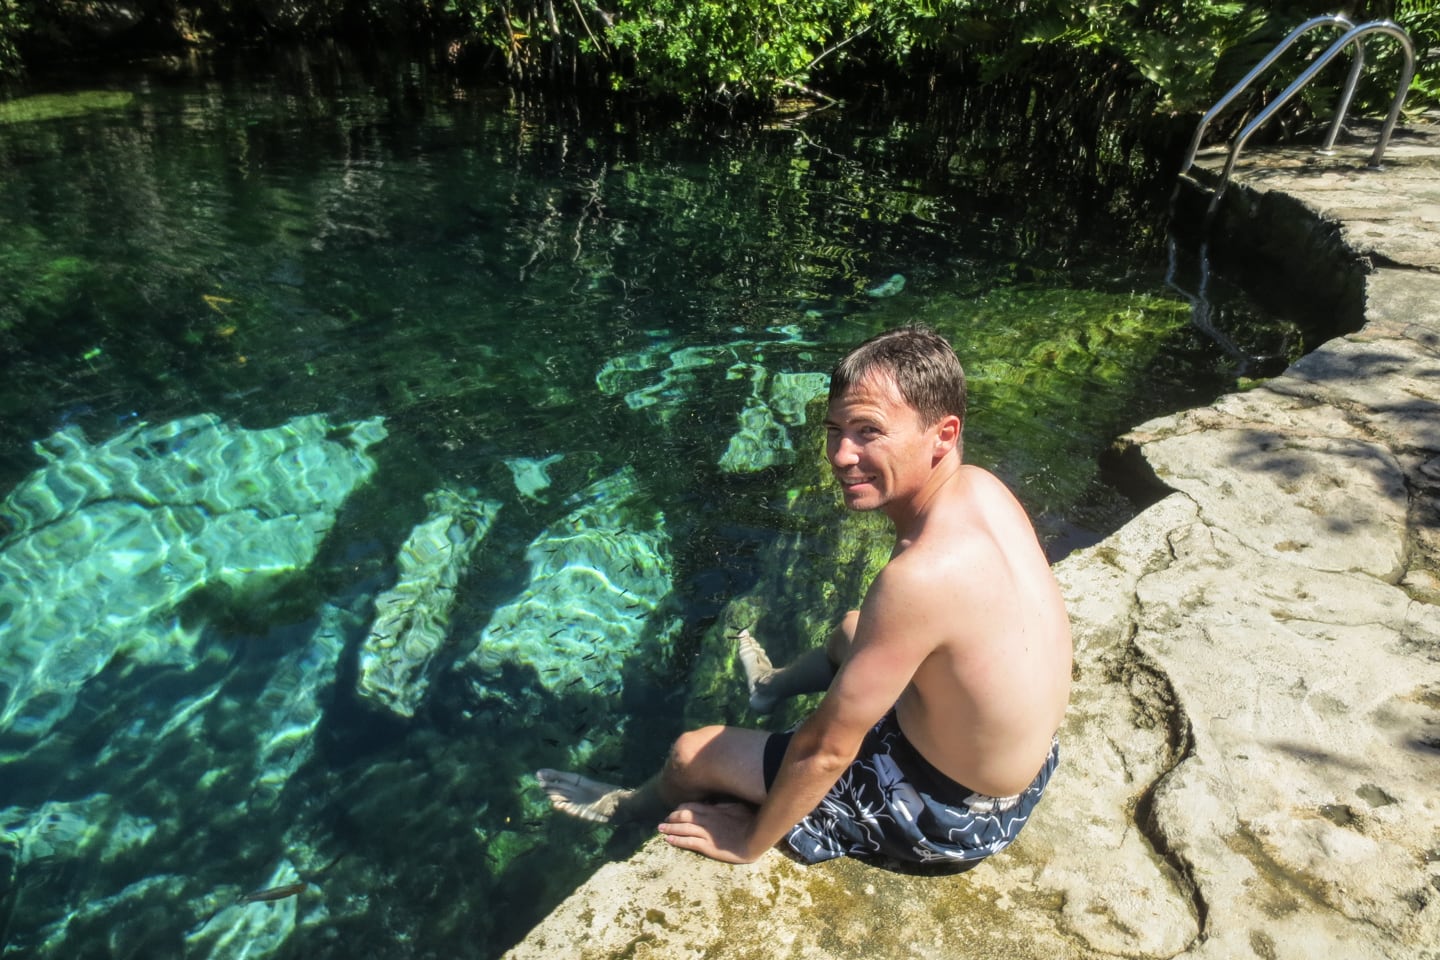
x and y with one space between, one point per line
290 707
532 475
677 367
64 830
413 615
250 928
185 778
889 288
105 541
764 438
599 580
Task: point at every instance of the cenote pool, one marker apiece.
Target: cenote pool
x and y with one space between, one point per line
367 444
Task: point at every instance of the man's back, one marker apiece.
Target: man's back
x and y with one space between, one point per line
984 704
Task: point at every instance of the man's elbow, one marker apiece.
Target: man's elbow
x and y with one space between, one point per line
823 755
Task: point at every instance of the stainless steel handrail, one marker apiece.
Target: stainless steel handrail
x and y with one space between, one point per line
1351 36
1332 20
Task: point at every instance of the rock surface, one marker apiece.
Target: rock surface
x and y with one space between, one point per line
1249 758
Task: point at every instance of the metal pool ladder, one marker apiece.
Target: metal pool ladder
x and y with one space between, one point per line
1351 36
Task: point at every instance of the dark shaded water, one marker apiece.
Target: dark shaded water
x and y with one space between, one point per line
262 321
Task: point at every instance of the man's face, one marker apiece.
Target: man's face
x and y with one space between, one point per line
876 445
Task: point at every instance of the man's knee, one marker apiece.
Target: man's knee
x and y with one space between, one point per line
681 766
837 646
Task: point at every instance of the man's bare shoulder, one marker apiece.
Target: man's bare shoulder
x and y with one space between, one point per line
977 551
967 525
933 574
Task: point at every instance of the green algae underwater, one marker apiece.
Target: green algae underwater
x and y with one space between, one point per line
367 444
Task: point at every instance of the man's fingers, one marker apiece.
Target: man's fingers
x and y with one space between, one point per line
685 813
700 845
683 829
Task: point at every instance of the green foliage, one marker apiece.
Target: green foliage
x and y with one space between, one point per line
13 23
1135 58
1421 19
747 47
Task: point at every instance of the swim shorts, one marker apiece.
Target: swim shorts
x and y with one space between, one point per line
893 804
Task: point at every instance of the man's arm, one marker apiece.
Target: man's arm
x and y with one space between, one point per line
895 633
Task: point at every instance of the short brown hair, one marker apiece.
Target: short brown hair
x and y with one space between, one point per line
922 364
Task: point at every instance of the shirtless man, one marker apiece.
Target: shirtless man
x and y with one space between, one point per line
944 692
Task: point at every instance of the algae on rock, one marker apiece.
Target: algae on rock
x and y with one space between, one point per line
413 616
1028 352
809 577
54 106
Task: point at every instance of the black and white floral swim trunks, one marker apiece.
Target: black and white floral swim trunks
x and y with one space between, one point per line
894 804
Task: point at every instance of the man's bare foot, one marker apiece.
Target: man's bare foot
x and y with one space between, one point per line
758 671
582 797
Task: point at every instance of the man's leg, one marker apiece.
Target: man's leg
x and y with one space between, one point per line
712 761
703 764
811 672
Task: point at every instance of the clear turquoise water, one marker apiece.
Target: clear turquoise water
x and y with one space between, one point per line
257 322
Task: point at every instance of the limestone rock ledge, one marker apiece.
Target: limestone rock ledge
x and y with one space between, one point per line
1249 760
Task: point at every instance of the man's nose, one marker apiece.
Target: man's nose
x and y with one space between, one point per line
843 452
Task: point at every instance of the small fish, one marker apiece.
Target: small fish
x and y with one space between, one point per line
273 893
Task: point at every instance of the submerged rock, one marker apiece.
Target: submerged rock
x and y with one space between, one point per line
66 830
889 288
249 929
764 436
413 615
664 374
532 475
291 705
598 584
106 540
182 776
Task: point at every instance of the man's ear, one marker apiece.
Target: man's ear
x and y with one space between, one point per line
947 435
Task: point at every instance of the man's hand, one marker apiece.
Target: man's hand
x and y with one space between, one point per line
720 831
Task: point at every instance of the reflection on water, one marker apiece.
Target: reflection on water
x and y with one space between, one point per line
366 451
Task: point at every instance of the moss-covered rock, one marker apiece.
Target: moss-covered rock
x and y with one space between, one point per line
54 106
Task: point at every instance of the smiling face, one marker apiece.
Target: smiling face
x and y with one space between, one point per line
880 452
